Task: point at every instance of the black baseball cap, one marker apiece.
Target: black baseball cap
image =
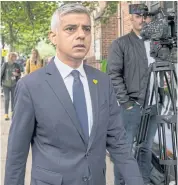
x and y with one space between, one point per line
139 9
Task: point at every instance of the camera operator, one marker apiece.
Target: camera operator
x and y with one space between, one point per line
128 63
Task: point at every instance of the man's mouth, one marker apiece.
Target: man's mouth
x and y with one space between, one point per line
79 46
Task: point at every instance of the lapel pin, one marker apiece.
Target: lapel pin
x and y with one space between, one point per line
95 81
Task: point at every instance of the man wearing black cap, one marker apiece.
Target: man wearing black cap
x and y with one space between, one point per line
128 63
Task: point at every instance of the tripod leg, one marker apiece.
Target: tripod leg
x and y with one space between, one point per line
160 142
173 90
165 153
170 92
159 126
173 133
143 121
156 91
175 75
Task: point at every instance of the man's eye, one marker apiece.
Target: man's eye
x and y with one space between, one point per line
70 29
138 16
87 29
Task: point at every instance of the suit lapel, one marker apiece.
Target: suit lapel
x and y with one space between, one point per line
94 99
56 82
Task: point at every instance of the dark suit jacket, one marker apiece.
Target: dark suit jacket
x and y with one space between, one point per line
44 116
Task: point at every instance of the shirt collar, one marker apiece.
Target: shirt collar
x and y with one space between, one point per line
139 36
66 70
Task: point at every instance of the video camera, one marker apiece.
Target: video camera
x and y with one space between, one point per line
161 31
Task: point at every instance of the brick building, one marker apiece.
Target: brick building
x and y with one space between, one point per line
102 36
104 33
124 24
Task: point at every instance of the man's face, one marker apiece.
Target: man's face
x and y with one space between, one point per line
73 36
137 21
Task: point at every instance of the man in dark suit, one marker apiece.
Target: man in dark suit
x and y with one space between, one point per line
69 113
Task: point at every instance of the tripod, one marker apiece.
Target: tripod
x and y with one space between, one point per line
161 68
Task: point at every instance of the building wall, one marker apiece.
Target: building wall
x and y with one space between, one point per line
103 34
92 56
109 32
124 23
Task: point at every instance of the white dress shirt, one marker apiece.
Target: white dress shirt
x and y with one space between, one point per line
65 72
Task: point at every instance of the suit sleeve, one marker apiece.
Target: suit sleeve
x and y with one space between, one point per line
20 136
115 71
118 146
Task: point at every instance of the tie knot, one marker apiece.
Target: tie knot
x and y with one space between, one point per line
75 74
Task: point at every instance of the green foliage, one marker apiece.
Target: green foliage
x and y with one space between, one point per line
45 49
25 23
111 8
104 65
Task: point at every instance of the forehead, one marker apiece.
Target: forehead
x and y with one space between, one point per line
137 15
75 18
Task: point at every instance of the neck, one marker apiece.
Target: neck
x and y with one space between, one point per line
137 32
72 62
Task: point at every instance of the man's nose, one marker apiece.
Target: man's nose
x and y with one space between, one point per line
81 33
142 19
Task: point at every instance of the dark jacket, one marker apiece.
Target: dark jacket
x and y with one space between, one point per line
128 68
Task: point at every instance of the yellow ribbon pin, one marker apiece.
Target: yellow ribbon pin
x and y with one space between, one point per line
95 81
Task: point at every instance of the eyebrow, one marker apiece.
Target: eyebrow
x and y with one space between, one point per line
75 25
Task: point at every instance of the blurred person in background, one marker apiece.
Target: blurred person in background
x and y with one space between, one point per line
20 61
10 74
34 62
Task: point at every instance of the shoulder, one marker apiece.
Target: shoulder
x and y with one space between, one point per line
121 43
34 78
122 39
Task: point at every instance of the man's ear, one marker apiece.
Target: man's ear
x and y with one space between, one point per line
52 37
